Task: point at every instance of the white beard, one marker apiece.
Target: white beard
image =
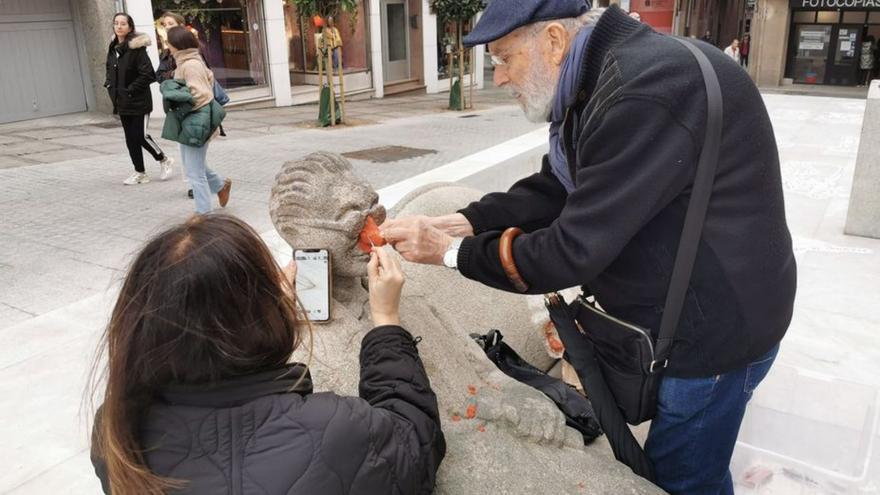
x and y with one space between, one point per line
537 91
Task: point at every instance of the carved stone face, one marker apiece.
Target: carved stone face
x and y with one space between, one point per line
318 202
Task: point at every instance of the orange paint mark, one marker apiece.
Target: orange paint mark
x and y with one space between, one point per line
456 418
369 233
481 428
472 390
471 412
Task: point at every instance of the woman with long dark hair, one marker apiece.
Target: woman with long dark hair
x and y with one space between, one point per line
200 396
129 75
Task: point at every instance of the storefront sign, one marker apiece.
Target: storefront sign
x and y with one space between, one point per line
835 4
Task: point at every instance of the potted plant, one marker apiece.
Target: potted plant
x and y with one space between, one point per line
330 112
457 12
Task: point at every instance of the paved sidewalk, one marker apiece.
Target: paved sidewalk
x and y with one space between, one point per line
92 135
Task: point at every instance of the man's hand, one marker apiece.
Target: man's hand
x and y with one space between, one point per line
456 225
417 239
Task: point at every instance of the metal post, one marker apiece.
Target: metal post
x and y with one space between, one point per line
341 85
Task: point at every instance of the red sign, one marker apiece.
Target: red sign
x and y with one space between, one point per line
656 13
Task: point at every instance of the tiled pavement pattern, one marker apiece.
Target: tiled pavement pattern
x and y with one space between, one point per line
93 135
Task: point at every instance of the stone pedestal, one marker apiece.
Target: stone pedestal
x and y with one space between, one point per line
863 217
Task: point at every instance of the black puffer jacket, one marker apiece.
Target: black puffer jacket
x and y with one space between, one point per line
129 75
259 434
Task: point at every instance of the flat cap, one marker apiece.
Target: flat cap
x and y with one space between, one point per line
501 17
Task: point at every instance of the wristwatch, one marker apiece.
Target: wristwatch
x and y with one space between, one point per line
450 258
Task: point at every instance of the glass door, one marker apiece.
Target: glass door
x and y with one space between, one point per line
811 53
843 65
395 41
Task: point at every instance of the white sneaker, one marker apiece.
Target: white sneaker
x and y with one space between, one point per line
136 178
165 165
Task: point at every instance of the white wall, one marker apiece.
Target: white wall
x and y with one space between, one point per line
276 41
375 22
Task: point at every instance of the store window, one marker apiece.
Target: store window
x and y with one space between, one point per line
302 35
828 17
854 17
446 42
813 43
231 36
805 17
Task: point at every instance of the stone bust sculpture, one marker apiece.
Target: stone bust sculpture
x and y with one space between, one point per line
511 439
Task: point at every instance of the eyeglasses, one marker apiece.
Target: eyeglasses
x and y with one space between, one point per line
496 61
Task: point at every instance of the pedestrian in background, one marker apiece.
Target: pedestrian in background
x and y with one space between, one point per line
167 65
744 48
732 51
129 75
866 61
194 117
708 37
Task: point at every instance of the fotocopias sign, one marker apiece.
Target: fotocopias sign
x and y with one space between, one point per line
835 4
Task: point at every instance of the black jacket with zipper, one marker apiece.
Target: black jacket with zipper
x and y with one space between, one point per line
268 433
129 75
633 140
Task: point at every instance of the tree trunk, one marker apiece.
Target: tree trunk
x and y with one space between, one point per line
460 64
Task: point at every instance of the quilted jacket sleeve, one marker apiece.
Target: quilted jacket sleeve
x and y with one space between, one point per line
405 423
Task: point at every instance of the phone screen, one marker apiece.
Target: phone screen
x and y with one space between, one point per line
313 282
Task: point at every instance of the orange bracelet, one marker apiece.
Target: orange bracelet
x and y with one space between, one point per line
505 251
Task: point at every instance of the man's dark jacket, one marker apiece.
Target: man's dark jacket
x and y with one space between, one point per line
267 433
129 75
638 131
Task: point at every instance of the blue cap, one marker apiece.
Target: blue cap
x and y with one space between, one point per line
501 17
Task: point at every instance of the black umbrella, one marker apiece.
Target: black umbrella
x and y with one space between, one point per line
579 351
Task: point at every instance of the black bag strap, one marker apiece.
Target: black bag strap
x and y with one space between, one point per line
696 212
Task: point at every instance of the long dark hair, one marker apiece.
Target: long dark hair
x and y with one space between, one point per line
130 25
182 38
203 301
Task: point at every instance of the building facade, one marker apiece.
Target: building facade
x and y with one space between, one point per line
259 50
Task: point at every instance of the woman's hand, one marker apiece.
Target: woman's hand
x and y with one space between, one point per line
386 282
289 273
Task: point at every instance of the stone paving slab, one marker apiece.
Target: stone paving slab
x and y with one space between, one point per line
63 154
10 139
51 133
26 147
9 161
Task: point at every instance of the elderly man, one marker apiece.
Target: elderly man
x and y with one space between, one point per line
628 111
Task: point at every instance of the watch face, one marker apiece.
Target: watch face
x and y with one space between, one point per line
450 259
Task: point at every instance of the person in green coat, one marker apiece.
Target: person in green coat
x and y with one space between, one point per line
193 118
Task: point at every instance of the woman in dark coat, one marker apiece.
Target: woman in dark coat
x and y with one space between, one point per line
129 75
201 397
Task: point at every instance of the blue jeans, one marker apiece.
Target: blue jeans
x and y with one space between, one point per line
693 434
204 182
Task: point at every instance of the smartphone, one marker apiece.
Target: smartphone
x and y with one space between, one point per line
313 283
